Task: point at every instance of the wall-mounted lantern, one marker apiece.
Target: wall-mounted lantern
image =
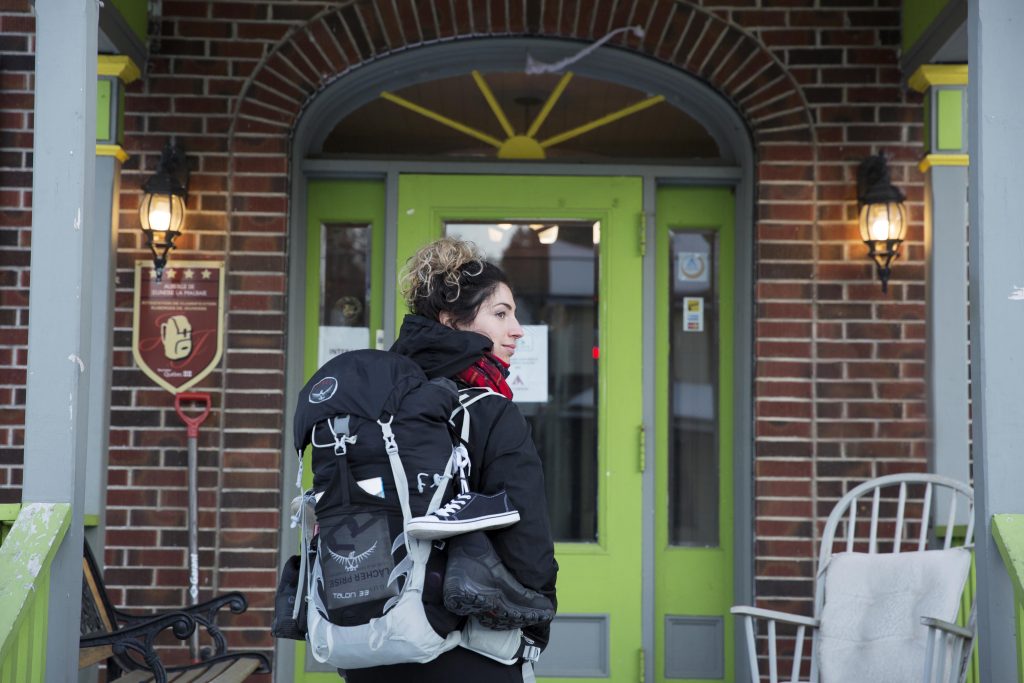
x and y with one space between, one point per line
883 217
162 209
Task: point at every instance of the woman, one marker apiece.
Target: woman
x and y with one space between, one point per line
463 326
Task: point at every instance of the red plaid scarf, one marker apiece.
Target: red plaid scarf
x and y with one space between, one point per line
488 372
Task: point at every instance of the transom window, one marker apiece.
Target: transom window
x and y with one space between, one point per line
508 115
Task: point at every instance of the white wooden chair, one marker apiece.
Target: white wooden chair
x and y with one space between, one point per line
904 503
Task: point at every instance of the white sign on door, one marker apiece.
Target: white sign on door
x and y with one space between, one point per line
692 266
693 314
528 375
336 339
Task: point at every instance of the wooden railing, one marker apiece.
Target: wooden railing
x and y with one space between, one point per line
1008 531
26 553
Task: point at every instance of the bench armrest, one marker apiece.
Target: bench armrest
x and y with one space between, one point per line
204 614
133 642
759 613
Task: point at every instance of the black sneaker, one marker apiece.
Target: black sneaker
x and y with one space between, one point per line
464 513
476 582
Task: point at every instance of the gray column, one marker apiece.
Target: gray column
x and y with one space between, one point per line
103 252
60 297
946 246
997 317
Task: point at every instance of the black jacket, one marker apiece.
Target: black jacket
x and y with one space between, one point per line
502 453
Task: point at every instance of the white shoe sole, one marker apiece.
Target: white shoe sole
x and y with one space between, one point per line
430 528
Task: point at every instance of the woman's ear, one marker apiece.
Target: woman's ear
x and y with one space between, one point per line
445 318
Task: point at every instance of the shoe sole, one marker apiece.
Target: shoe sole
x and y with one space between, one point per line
430 528
465 597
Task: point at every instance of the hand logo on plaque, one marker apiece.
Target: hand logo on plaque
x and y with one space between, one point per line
176 334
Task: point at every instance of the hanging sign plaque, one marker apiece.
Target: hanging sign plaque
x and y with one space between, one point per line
177 323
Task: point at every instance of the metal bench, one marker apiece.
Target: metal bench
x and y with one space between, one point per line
126 641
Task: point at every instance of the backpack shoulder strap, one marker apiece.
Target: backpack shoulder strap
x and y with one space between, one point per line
468 397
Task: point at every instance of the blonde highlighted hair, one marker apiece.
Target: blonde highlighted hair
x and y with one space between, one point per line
449 275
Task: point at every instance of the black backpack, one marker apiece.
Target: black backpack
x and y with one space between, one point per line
344 411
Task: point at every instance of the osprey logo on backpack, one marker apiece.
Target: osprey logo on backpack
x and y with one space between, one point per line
351 561
323 390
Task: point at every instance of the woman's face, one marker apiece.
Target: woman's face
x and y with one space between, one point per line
496 320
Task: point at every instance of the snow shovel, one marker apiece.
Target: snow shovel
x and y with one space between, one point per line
192 422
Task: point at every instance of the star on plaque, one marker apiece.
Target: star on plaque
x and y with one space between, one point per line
207 273
189 274
169 274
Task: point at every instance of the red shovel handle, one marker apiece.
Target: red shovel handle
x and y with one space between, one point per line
192 422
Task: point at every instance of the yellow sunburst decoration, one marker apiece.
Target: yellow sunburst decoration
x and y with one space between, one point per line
524 145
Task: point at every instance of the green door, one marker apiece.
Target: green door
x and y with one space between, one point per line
573 248
693 445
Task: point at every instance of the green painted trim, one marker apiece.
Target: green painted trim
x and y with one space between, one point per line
949 107
9 512
104 131
136 14
118 66
928 75
25 559
917 16
1008 532
90 521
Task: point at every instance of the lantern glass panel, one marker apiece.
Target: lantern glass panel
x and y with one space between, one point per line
881 222
162 212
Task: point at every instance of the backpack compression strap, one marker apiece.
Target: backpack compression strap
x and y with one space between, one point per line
461 463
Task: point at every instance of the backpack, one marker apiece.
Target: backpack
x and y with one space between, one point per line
384 449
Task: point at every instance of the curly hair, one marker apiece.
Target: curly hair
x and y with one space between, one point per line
449 275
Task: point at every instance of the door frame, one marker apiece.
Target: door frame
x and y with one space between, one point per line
700 101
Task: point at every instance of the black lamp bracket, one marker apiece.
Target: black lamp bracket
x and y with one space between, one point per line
172 173
873 183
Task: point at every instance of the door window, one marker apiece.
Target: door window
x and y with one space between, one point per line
345 266
553 269
693 390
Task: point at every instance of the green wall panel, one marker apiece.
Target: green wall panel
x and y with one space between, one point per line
917 15
136 13
103 131
950 107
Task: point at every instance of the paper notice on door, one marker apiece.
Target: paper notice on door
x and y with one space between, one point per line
335 340
528 375
693 314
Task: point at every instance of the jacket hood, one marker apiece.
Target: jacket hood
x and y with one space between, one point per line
440 350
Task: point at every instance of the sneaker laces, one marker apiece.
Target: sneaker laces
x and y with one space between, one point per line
453 506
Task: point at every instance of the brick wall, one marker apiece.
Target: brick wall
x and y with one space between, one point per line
17 47
839 392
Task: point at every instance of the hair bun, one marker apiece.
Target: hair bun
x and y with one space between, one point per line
447 258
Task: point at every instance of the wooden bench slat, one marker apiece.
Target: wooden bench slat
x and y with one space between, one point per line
139 676
196 675
87 656
236 673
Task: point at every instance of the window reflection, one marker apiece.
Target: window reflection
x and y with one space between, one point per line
553 270
344 289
